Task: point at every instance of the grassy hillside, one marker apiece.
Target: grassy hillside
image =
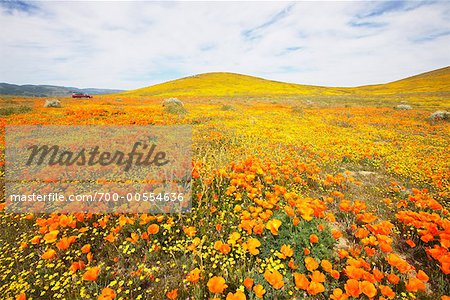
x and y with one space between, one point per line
230 84
225 84
434 81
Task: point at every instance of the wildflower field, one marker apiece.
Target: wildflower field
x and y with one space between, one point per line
292 199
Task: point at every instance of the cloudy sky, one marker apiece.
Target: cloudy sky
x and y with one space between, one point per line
134 44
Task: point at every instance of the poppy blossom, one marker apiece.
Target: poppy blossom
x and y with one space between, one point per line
313 239
301 281
422 276
21 296
190 231
311 264
259 291
107 294
91 274
236 296
194 275
49 254
275 279
315 288
273 225
248 283
352 288
216 284
368 289
387 291
338 294
153 229
51 237
285 251
173 294
86 248
252 245
414 284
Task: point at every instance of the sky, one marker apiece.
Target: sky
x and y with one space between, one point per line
129 45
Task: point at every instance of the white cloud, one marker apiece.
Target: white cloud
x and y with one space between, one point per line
135 44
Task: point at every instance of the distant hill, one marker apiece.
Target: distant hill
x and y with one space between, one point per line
231 84
433 81
48 90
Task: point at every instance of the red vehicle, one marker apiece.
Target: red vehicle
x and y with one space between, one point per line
80 95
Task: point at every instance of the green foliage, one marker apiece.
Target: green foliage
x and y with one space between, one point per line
227 107
13 110
175 109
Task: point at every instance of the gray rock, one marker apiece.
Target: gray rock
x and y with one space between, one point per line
172 101
440 115
403 107
174 106
52 103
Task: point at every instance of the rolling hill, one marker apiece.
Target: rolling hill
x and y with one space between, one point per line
433 81
230 84
48 90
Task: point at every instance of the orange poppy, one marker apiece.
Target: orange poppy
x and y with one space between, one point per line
313 238
49 254
259 291
326 265
273 225
51 237
107 294
387 291
342 253
292 265
134 238
173 294
315 288
336 233
354 272
251 246
91 274
86 248
65 242
368 289
422 276
35 240
286 251
190 231
21 296
223 248
301 281
311 264
275 279
338 294
394 279
352 288
110 238
335 274
378 275
236 296
216 284
153 229
78 265
194 275
248 283
317 276
414 285
411 243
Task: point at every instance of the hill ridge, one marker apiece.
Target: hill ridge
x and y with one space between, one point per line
236 84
